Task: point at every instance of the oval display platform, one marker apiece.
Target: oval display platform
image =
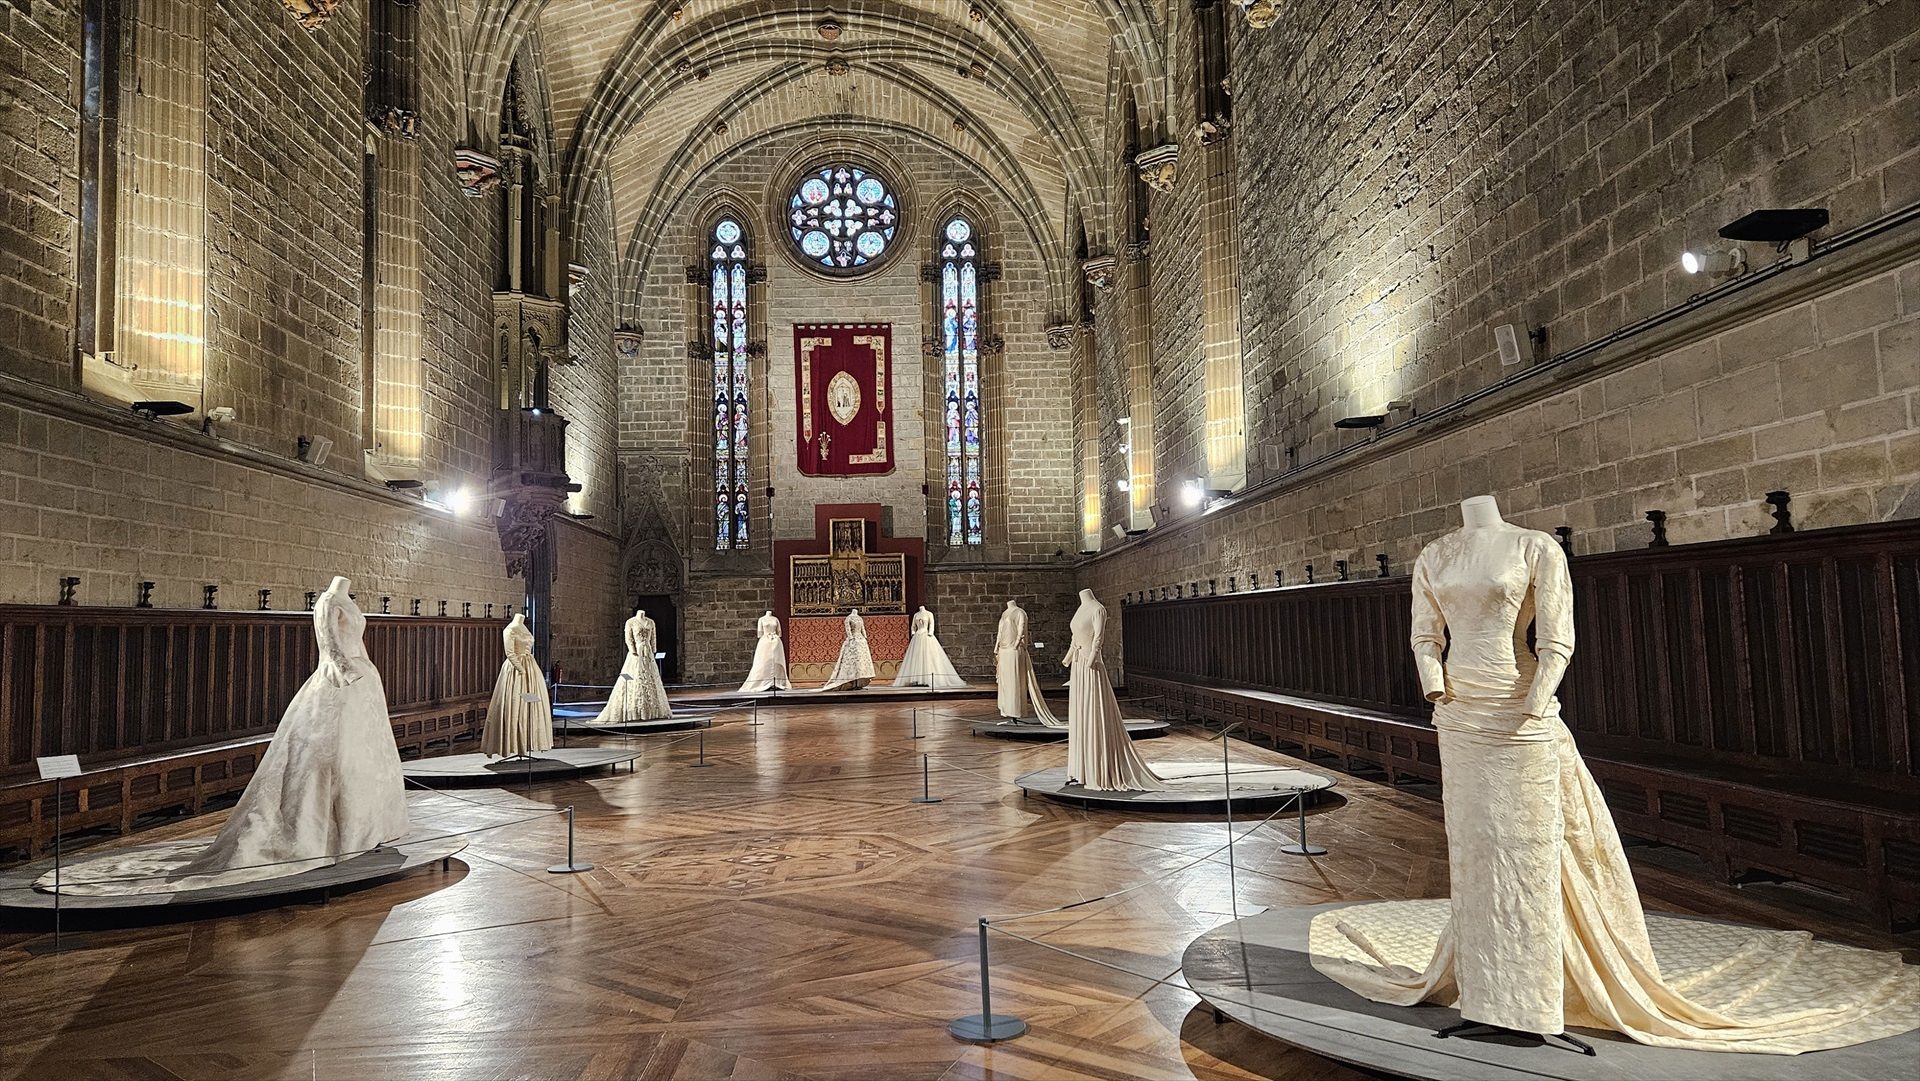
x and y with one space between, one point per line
1028 728
18 897
546 766
1195 786
577 717
1257 971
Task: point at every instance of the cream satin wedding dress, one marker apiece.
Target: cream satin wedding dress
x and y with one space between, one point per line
769 671
926 663
1100 754
1013 675
328 788
1545 928
639 694
519 717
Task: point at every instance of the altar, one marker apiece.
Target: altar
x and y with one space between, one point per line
848 563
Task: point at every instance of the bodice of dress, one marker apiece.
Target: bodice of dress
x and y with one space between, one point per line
769 627
339 624
640 636
856 627
518 640
1483 587
922 623
1088 623
1013 630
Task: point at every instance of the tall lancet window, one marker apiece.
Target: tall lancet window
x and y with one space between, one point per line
727 303
960 322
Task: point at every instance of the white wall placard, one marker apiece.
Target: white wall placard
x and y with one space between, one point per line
59 765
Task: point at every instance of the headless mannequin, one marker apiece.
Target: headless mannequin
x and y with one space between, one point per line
1481 512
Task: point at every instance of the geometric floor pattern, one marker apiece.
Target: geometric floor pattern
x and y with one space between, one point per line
787 913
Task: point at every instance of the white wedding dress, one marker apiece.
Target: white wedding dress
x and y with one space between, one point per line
926 663
1013 675
854 667
1545 928
639 694
769 671
328 788
520 717
1100 754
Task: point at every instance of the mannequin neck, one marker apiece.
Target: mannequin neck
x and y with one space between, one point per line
1481 512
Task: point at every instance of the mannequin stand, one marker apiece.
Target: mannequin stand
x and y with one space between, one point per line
1475 1028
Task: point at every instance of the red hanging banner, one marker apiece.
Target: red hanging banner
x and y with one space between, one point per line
843 385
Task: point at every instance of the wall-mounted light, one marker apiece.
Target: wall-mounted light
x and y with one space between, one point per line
460 500
1122 485
1714 262
1193 493
1369 421
150 410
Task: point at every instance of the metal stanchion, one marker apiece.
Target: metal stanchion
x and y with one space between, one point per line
986 1026
916 723
1302 847
572 866
703 763
925 796
1226 787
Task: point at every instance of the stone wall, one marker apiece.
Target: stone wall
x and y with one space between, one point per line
967 605
590 609
39 186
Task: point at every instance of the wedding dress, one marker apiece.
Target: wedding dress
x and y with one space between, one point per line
926 663
854 668
639 694
1545 928
328 788
1013 673
1100 754
519 718
769 670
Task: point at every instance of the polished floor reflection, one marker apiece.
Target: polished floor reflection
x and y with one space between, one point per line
786 913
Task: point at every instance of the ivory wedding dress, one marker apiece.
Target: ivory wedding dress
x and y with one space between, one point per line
520 717
328 788
769 671
1100 754
1013 674
854 668
639 694
1545 928
926 663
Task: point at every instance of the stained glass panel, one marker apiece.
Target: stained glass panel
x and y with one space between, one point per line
727 300
960 326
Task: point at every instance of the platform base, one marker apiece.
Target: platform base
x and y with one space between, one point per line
1028 728
569 868
975 1028
552 764
1193 786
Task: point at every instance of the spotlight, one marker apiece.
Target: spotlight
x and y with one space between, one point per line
313 449
460 500
1119 532
1193 493
1370 421
1123 485
1714 262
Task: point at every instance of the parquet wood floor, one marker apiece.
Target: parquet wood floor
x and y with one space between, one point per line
786 914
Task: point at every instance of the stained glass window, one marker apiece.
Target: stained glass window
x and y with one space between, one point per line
842 218
960 322
727 301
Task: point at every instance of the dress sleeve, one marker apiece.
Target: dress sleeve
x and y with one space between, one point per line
1552 602
333 659
1429 634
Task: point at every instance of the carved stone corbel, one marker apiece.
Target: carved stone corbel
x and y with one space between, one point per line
310 14
698 350
478 171
526 516
1100 270
1060 336
1260 13
1159 166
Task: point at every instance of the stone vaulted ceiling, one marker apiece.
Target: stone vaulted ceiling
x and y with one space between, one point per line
645 95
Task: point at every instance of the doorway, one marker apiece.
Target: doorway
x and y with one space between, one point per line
666 624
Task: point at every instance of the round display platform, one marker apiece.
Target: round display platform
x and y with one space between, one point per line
1194 786
1257 971
19 897
547 765
1028 728
578 717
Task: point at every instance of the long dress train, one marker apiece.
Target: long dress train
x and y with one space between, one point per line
639 694
1100 754
854 667
926 663
520 716
328 788
1545 927
769 671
